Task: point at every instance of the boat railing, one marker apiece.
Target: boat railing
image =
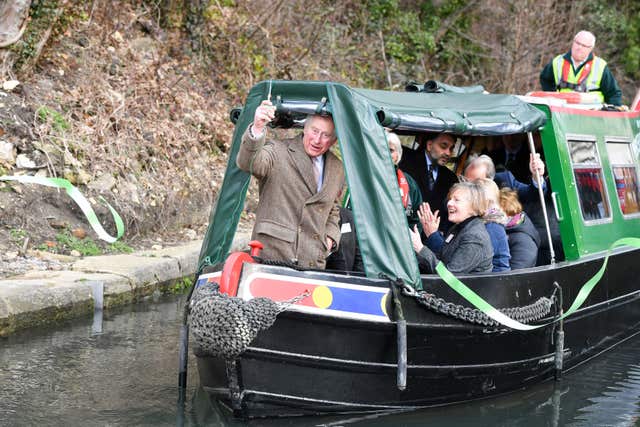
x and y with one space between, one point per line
579 100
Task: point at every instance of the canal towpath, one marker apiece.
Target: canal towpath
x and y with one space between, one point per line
43 297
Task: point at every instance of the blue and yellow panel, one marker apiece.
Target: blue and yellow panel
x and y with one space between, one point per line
208 278
325 298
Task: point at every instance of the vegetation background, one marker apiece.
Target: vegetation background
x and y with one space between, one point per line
129 99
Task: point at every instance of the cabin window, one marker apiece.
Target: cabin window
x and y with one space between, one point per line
625 175
587 170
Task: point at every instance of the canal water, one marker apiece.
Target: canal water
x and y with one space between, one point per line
121 370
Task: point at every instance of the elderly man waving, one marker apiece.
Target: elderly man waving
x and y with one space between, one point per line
300 184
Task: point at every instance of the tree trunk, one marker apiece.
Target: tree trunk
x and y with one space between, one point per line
13 20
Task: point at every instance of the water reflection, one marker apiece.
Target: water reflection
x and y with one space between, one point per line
126 375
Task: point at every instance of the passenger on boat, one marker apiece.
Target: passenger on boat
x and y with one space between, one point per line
347 257
579 70
524 239
467 247
495 220
427 166
409 191
536 214
482 167
300 186
512 156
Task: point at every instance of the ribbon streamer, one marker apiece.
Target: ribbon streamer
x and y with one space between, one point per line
499 317
80 200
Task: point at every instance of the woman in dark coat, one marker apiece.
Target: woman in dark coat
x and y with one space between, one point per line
523 236
467 247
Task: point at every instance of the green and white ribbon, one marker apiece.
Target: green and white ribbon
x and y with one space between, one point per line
499 317
77 197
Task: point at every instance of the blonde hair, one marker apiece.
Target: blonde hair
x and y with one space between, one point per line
476 196
491 190
509 202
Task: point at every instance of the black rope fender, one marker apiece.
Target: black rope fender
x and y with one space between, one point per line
525 314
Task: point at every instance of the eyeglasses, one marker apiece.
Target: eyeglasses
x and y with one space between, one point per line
315 132
586 46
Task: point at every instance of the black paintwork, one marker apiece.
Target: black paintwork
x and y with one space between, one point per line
309 364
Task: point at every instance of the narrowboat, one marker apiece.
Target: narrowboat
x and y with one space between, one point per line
276 339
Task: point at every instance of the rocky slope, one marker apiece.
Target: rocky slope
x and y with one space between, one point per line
115 106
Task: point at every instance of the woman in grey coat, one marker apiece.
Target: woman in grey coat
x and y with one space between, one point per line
467 247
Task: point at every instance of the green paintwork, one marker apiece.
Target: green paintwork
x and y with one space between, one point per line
580 237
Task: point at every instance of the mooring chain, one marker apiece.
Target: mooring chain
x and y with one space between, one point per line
288 303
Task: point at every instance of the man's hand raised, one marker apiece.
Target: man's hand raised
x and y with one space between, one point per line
265 112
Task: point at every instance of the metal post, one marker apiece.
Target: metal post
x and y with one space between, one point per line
183 358
401 328
559 338
402 354
538 178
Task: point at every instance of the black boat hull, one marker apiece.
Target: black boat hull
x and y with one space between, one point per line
307 363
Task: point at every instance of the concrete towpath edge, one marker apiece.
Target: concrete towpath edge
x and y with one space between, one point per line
45 297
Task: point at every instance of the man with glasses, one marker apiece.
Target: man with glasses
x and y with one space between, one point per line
579 70
300 186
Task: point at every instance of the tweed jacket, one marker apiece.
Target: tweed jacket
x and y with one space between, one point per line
466 249
292 219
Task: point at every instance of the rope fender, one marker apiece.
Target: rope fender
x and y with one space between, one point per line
224 326
525 314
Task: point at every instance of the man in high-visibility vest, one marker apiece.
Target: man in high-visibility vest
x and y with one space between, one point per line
579 70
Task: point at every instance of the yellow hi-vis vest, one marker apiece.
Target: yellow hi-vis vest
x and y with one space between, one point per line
567 81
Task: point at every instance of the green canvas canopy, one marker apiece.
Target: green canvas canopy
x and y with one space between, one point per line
359 116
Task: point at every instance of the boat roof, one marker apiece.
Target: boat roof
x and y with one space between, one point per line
452 112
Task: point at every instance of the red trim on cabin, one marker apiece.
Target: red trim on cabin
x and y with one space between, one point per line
595 113
282 290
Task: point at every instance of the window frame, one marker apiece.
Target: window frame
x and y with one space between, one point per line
634 164
591 139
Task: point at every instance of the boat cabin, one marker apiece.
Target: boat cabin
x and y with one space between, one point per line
592 159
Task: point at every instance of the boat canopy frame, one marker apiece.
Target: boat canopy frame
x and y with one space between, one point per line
360 116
